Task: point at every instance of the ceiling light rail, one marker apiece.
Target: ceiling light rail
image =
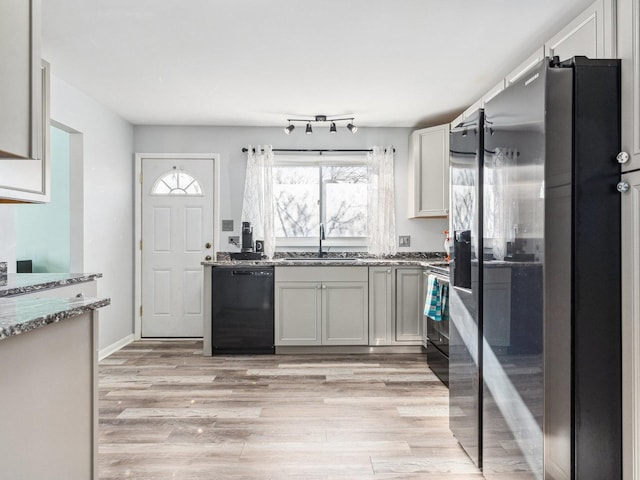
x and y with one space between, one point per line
318 150
323 119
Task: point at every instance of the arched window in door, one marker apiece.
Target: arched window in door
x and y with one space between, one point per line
176 182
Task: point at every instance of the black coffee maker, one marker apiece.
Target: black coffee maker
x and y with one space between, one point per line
247 237
246 250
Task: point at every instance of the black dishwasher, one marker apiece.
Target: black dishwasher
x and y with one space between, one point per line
242 310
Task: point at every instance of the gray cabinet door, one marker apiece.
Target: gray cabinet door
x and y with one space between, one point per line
20 107
345 313
628 26
409 305
429 172
631 323
382 303
298 313
28 180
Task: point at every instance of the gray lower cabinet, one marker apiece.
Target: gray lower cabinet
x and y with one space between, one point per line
298 313
321 306
395 305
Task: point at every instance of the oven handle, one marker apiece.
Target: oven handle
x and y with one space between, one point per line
440 277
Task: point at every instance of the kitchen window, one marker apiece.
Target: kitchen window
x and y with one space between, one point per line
332 192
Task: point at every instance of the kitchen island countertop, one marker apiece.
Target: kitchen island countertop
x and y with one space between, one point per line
22 283
21 315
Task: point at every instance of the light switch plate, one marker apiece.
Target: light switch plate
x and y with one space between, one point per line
227 225
234 240
404 241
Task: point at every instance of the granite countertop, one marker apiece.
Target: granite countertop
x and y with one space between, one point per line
21 315
326 262
21 283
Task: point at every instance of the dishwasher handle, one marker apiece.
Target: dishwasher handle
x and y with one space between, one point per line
253 273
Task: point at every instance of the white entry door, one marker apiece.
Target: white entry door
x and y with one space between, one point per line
177 234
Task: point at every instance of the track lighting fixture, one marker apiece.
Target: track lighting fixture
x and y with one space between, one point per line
321 118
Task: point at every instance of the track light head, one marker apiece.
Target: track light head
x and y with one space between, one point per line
308 130
332 128
352 128
289 129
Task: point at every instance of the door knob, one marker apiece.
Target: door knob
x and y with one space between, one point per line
208 258
208 245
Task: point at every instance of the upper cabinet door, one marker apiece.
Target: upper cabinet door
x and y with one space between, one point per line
28 180
628 26
20 95
531 61
429 172
587 35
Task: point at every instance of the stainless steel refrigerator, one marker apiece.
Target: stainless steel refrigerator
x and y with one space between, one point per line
549 277
466 147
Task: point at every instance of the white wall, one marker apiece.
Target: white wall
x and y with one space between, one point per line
426 234
108 202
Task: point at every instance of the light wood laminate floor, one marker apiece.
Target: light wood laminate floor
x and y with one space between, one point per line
166 412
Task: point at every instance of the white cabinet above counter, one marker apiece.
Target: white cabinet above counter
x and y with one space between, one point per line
429 172
24 107
28 180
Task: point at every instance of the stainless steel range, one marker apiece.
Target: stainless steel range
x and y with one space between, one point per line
437 326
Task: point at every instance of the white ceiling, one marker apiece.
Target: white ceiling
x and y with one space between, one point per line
258 62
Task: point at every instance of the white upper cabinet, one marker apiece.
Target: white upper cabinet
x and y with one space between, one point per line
628 26
28 180
591 34
20 72
487 97
531 61
24 115
429 172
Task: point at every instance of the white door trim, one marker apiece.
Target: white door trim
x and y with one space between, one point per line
138 219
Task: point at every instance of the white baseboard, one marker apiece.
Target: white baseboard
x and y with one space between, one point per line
114 347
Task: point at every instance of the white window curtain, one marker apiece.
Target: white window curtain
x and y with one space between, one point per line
258 201
381 221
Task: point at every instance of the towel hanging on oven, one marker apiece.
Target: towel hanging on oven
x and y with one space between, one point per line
433 302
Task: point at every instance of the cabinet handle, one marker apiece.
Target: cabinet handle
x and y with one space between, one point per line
389 272
207 258
318 286
324 286
623 157
208 245
623 187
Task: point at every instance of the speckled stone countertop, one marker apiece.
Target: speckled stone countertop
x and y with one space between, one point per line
21 283
21 315
327 262
300 259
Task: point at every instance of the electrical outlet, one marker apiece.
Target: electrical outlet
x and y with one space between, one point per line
404 241
234 240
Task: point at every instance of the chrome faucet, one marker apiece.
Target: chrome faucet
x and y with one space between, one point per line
320 252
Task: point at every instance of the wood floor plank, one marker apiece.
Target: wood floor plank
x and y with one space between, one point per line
167 412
